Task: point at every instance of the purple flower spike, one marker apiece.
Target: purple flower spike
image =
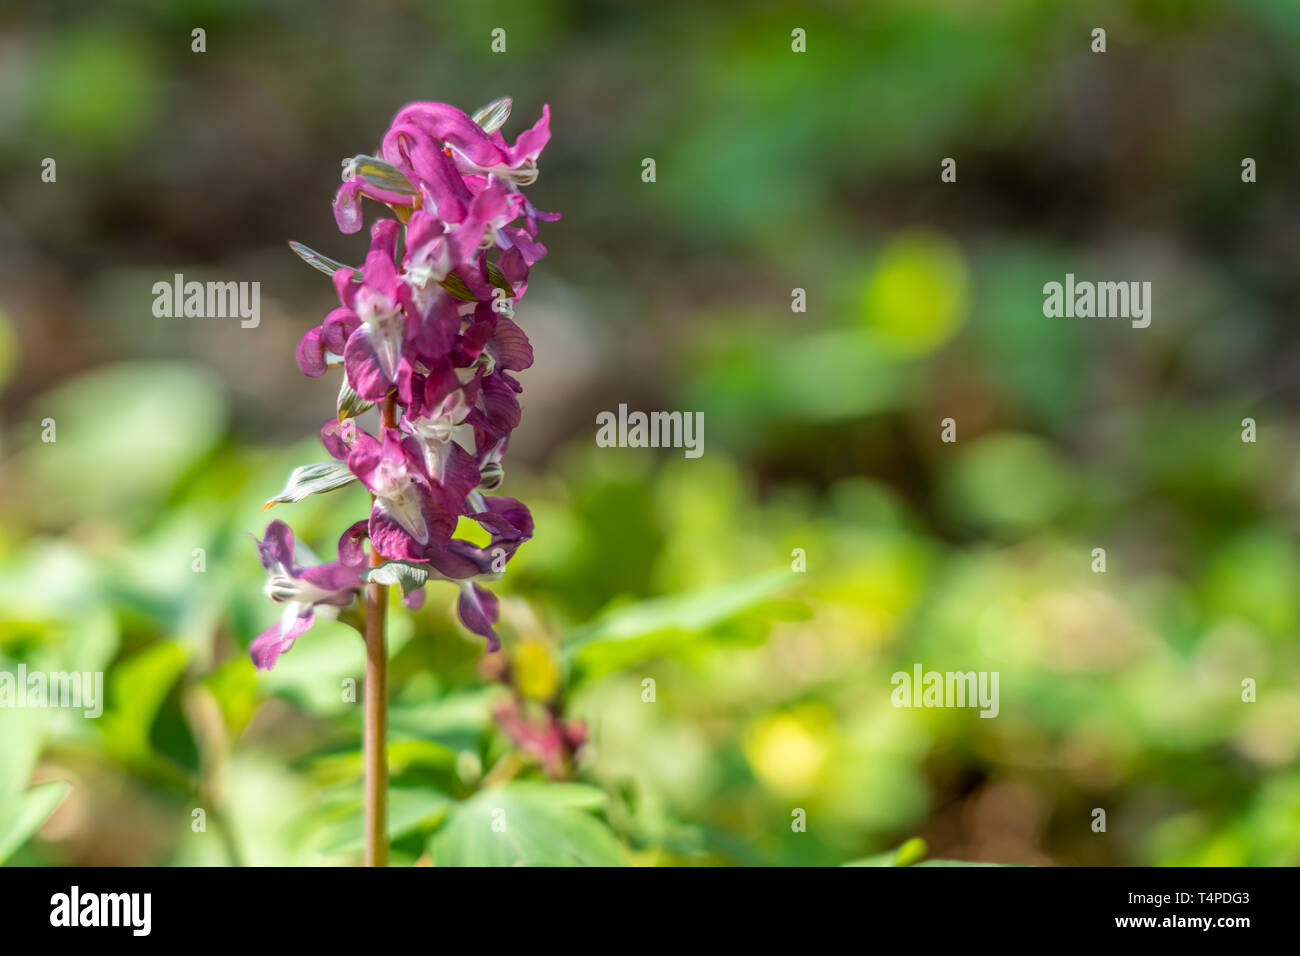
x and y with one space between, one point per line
424 334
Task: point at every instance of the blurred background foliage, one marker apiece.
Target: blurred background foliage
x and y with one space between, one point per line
775 171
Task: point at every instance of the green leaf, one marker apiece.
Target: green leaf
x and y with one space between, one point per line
409 575
168 414
494 115
918 295
312 673
909 854
313 479
960 863
579 796
518 825
693 612
409 809
457 721
913 851
234 687
22 815
404 757
21 733
138 687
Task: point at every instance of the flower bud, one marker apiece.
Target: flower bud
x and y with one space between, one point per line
491 475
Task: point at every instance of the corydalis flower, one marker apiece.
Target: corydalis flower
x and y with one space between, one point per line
425 330
422 132
435 247
432 418
435 155
406 517
509 525
304 588
372 328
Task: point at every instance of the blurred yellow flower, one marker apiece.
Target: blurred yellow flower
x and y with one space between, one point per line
537 675
789 750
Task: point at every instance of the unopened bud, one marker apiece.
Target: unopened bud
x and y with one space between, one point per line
491 475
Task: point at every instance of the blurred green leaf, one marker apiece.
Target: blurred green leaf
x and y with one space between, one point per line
95 88
8 348
409 810
124 435
1007 481
917 296
313 672
20 744
688 613
456 721
909 854
516 825
234 686
579 796
21 815
136 691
